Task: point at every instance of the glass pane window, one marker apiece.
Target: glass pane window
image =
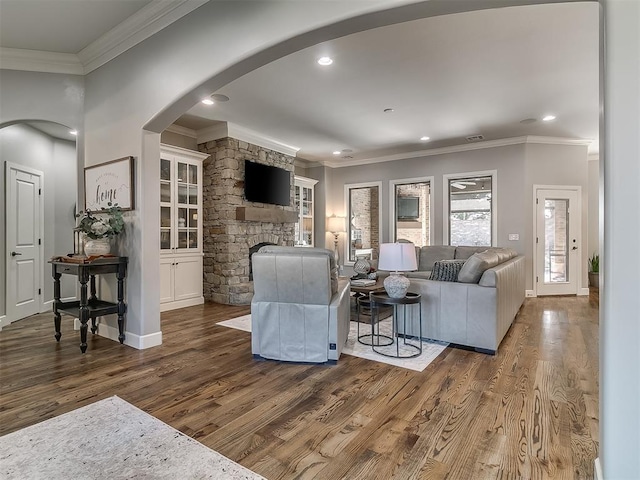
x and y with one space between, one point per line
165 170
470 211
556 240
193 218
412 207
182 172
165 192
364 221
165 216
193 174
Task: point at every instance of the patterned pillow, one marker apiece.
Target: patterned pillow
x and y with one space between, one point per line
446 270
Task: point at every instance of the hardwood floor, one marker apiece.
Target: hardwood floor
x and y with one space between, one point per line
529 412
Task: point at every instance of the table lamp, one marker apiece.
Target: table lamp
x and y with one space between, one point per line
336 225
396 258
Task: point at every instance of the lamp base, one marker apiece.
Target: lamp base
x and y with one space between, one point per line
396 285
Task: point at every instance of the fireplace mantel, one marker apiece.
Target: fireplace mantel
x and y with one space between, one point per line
267 215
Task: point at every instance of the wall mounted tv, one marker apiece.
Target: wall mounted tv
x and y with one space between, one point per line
266 184
408 208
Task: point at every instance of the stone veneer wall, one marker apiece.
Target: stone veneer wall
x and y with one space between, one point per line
226 241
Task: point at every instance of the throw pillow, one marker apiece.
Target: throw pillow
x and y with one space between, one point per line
446 270
475 266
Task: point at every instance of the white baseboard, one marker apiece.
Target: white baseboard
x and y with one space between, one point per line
130 339
190 302
3 318
597 470
530 293
583 292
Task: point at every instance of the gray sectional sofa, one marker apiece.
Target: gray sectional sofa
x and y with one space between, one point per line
475 311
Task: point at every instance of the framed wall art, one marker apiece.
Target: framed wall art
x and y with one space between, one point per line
110 182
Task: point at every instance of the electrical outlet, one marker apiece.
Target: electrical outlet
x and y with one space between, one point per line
514 236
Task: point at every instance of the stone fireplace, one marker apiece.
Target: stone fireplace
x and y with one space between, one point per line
231 225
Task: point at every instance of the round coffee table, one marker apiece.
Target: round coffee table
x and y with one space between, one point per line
410 345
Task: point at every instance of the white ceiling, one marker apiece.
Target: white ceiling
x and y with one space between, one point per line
64 26
446 77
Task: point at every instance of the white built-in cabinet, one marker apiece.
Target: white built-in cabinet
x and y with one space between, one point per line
304 190
180 227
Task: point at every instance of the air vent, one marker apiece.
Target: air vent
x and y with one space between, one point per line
475 138
347 156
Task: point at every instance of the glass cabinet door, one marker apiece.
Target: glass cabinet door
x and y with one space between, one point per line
179 205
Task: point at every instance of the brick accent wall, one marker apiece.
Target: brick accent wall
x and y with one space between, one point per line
226 241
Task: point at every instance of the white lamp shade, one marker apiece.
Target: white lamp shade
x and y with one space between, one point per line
397 257
335 224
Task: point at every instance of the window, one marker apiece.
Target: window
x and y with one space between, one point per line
364 214
471 210
410 209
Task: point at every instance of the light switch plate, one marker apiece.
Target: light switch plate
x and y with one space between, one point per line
514 236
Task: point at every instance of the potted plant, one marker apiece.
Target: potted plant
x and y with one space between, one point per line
594 271
99 227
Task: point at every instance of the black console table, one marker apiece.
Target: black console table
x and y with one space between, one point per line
89 306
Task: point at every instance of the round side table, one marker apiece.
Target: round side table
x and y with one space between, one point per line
407 345
364 303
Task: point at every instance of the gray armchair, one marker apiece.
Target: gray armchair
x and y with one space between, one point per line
300 309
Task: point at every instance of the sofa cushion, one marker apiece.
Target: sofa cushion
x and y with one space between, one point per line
463 253
432 253
446 270
419 274
475 266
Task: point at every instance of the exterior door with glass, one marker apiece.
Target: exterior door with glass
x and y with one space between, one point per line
558 218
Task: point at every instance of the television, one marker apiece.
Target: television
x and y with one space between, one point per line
266 184
408 208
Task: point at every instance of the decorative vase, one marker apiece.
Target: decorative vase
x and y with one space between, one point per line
396 285
98 246
362 265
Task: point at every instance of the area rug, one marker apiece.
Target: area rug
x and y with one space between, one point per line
430 349
111 439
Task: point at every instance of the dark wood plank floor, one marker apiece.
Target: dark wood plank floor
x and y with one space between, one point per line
529 412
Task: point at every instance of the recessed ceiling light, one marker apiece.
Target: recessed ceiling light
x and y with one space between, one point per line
336 152
324 61
388 110
548 118
424 139
73 132
207 101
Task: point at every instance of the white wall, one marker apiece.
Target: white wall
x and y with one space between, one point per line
620 260
26 146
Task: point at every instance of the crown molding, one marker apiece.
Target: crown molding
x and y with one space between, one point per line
184 131
185 152
39 61
146 22
503 142
214 132
244 134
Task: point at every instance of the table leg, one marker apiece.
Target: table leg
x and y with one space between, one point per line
56 299
122 307
83 309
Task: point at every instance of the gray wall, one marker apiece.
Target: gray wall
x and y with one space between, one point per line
518 168
177 140
26 146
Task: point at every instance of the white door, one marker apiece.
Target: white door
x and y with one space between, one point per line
558 217
23 241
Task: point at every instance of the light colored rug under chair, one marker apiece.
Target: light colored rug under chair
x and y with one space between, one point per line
111 439
430 349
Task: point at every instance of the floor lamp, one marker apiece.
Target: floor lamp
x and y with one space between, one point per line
336 225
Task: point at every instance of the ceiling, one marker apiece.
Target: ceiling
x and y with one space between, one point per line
449 77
